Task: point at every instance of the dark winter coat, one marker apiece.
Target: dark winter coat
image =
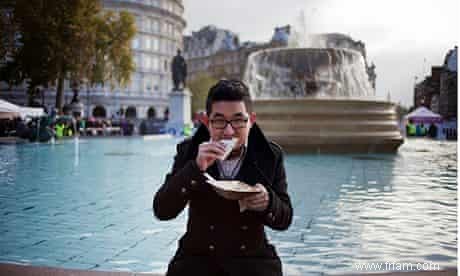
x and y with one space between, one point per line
219 239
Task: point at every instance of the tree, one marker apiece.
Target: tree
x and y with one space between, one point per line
7 30
9 44
56 40
113 56
72 39
200 86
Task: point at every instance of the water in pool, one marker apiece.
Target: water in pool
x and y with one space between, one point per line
87 205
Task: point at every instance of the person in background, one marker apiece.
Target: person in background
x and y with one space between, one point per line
410 129
59 130
433 131
422 129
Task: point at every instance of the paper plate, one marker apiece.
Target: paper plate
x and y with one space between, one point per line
231 189
233 186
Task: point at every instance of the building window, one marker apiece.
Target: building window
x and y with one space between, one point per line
155 63
147 60
155 82
156 46
165 46
169 28
135 82
135 43
146 24
168 5
161 84
139 22
173 47
155 26
161 45
148 85
161 27
147 43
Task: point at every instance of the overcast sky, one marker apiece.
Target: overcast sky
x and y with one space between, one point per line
403 37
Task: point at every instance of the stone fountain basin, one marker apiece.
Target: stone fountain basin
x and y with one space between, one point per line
330 125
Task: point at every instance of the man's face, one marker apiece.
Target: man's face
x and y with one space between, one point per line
234 111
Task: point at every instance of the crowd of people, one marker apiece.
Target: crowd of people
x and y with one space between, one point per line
433 130
419 130
43 128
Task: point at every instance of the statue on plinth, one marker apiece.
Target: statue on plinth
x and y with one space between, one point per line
179 71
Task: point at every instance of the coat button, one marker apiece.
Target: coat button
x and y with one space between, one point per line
211 227
211 247
193 182
243 247
244 227
183 190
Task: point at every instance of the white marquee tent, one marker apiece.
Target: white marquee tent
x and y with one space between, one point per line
10 111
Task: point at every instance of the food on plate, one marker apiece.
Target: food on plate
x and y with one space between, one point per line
231 189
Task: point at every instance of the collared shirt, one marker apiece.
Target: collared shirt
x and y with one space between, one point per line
228 169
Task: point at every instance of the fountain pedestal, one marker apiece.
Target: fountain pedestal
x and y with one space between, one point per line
330 125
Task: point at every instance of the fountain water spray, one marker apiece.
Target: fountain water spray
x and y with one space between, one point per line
308 72
320 98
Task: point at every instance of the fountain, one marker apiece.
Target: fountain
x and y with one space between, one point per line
320 100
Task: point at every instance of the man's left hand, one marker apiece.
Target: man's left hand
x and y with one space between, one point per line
258 202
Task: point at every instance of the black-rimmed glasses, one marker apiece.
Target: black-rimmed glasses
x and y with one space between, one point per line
235 123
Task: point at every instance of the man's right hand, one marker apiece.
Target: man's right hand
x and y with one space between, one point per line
208 152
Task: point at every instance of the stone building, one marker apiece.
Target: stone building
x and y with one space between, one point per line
219 53
160 25
426 92
438 91
448 87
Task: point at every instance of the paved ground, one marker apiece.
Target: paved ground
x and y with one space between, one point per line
18 270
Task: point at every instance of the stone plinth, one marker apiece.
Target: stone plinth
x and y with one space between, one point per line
180 110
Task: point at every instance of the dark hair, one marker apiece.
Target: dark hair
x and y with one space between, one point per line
228 90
